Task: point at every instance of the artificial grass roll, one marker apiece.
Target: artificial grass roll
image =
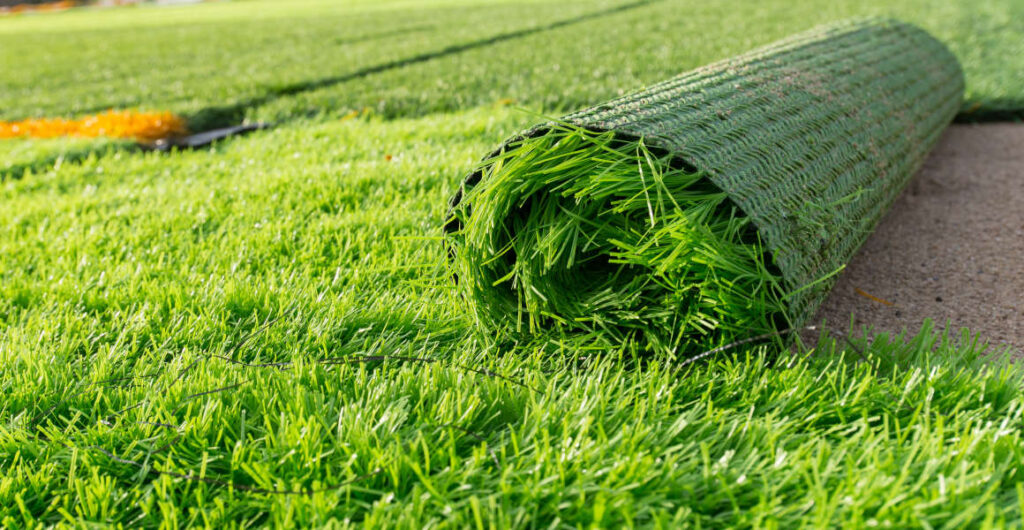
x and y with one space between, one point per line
711 207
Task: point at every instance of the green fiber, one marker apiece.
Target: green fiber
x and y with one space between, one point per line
582 232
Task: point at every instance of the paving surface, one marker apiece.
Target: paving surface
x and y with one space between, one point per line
951 248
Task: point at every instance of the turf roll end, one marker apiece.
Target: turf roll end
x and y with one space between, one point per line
596 235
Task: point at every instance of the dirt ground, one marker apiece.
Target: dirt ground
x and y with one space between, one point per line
951 248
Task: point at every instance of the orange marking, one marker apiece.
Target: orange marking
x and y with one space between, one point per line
27 8
144 126
872 297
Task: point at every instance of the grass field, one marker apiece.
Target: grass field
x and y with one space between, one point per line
221 62
260 333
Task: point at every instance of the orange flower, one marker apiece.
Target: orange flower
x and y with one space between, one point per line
143 126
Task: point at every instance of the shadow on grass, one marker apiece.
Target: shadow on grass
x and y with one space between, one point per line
221 116
992 110
341 41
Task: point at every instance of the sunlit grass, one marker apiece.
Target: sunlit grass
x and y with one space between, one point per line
134 285
260 334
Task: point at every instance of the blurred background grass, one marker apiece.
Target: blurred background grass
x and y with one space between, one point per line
220 63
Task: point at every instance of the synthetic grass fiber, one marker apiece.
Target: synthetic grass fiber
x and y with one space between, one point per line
716 205
242 336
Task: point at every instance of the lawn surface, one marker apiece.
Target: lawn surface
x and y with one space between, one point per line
260 333
221 62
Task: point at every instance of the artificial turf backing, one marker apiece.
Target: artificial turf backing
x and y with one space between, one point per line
772 168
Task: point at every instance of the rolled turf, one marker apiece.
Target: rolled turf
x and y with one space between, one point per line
712 207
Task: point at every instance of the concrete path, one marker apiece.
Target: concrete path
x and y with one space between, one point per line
951 248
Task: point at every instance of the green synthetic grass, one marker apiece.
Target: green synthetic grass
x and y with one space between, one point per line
271 60
585 233
149 303
140 280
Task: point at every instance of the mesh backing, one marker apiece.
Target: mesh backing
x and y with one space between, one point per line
813 137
